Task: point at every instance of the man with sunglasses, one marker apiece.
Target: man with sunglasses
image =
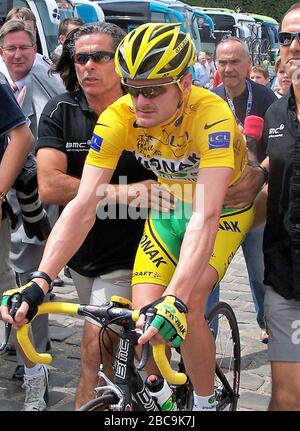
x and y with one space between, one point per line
188 137
282 237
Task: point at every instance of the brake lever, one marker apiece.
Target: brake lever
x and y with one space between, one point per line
149 315
15 304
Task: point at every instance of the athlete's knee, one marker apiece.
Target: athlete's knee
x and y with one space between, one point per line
89 348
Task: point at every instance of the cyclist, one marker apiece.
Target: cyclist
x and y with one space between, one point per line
189 138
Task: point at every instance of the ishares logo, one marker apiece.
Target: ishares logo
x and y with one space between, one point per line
296 333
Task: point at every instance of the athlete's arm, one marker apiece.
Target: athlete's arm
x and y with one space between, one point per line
199 238
70 230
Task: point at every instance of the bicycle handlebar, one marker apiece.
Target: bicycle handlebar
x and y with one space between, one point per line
22 333
159 354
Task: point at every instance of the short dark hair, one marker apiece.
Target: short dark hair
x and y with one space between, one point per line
293 7
22 14
65 64
64 24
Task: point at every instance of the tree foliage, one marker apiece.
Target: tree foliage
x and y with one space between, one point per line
274 9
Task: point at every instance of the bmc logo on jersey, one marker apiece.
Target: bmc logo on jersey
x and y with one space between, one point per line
96 142
218 140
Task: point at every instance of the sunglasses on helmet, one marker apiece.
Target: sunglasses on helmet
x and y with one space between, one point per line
150 92
96 56
286 37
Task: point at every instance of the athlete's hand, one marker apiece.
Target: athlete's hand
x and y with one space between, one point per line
145 194
244 191
160 199
31 295
169 320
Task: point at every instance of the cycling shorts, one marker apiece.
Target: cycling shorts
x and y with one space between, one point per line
159 248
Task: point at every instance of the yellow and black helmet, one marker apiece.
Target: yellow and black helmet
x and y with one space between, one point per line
153 51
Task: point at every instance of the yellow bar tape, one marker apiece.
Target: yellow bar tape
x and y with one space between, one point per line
22 334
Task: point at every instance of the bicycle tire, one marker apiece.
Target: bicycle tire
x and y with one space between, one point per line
227 398
101 403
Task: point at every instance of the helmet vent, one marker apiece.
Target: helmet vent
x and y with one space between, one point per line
150 62
136 45
162 30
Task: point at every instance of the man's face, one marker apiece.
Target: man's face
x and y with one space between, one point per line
18 53
233 64
96 78
290 55
283 79
202 58
157 110
259 78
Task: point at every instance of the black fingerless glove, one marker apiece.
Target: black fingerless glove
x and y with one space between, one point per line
34 296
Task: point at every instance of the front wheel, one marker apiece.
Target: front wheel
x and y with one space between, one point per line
102 403
224 326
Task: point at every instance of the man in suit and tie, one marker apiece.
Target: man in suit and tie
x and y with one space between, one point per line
34 87
26 15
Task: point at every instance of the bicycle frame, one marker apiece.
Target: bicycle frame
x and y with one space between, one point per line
128 383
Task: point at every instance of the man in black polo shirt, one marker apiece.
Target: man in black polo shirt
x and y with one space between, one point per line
245 97
282 232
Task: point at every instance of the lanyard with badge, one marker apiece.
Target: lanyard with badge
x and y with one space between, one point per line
249 103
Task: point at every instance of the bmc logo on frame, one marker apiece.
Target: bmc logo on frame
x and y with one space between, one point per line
296 334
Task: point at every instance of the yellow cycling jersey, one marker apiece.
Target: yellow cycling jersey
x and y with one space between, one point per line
202 134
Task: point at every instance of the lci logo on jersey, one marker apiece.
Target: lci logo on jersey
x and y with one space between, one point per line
218 140
96 142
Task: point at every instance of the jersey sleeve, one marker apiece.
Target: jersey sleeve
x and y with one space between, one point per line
218 138
50 132
108 140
